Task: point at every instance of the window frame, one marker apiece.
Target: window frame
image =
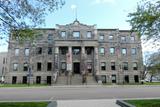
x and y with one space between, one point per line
76 34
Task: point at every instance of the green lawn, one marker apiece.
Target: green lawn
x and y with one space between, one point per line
152 83
22 85
145 103
24 104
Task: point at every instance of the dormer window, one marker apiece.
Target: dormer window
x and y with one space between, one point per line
123 38
76 34
101 37
89 34
63 34
111 37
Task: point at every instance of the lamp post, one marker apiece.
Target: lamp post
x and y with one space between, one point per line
29 66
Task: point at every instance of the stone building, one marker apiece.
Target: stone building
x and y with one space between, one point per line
3 66
68 53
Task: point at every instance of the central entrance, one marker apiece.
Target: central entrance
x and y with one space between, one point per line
76 67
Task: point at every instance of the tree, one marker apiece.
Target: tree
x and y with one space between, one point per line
146 20
21 16
153 64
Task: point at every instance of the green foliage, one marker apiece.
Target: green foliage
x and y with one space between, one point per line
146 19
17 15
145 103
23 104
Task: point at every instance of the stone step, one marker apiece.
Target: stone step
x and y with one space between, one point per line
76 79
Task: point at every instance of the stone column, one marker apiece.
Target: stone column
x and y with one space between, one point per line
56 63
83 59
96 65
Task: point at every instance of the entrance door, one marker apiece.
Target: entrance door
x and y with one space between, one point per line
76 68
126 79
48 79
24 79
14 80
136 79
38 79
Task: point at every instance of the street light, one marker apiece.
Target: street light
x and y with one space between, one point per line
29 67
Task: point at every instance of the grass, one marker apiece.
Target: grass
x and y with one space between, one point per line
145 103
152 83
22 85
24 104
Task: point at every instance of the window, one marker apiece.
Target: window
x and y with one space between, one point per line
101 37
15 67
123 38
132 38
25 67
16 52
76 51
135 66
3 60
88 50
110 37
133 51
63 34
38 66
113 66
102 51
64 50
89 34
63 65
49 66
112 50
103 66
125 65
50 38
26 51
49 50
39 50
76 34
124 51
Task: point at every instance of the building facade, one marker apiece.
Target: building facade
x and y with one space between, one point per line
3 66
68 52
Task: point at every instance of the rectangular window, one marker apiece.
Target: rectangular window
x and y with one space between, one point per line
26 51
63 34
76 51
76 34
39 66
50 38
110 37
25 67
101 37
113 66
124 51
88 50
133 51
63 66
3 60
89 34
123 38
132 38
49 66
63 50
49 50
102 51
15 67
17 52
125 65
103 66
39 50
112 50
135 66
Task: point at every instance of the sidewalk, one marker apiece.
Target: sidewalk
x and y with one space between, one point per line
85 103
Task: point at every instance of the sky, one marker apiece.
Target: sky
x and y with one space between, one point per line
103 13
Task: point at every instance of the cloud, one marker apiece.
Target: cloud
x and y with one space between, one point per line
73 6
95 2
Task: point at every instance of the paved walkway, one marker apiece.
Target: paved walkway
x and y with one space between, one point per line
84 103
